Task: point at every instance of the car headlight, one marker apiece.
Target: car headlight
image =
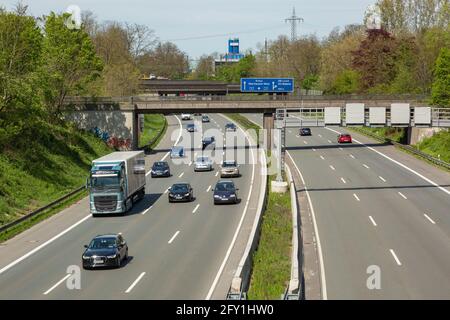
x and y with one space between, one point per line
216 196
187 194
233 196
165 171
86 257
112 257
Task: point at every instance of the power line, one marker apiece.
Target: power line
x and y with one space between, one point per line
293 21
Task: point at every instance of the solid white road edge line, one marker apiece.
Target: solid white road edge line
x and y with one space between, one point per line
238 229
57 284
400 164
135 282
323 281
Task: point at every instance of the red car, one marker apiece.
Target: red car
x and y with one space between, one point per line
344 138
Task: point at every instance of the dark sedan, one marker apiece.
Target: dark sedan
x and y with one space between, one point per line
180 192
209 142
191 127
230 127
105 251
160 169
305 131
225 192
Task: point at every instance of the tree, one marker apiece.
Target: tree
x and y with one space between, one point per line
346 82
375 59
204 69
440 93
233 72
69 62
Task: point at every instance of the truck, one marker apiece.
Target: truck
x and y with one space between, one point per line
116 182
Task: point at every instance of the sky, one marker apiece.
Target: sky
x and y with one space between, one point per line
203 26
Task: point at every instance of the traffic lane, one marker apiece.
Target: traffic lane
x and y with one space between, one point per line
427 198
345 233
94 292
414 240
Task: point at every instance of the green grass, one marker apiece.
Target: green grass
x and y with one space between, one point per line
272 260
245 123
395 134
154 128
42 165
437 146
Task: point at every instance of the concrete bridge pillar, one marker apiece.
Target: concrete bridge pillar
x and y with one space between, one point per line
135 129
268 125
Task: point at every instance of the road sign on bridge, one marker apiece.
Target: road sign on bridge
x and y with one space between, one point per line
267 85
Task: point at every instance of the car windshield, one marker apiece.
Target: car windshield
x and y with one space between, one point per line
191 126
209 139
179 188
159 165
103 243
225 186
107 181
229 164
177 150
202 159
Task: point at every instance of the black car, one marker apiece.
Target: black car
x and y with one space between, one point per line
105 251
225 192
181 192
230 127
208 141
160 169
305 131
191 127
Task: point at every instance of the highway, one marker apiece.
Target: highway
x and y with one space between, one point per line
375 206
177 251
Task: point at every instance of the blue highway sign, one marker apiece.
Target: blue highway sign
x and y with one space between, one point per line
267 85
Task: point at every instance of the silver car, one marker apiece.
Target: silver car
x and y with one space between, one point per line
203 164
230 168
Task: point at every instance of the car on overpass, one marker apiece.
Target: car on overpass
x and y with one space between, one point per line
160 169
344 138
191 127
230 127
108 250
229 168
205 118
181 192
225 192
203 164
209 142
186 116
305 132
177 152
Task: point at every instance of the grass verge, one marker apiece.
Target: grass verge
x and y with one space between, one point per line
155 126
272 259
245 123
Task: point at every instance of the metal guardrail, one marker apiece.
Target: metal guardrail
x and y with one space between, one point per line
151 142
37 211
406 148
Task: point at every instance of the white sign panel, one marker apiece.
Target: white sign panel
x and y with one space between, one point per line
422 115
333 116
377 115
354 113
400 113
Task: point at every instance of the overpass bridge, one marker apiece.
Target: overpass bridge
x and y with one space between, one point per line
352 110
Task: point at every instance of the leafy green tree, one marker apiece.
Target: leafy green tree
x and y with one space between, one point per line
69 62
440 93
346 82
235 71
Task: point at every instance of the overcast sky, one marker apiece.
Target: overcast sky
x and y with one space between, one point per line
203 26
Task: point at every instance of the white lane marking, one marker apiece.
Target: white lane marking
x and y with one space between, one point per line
223 152
356 197
238 229
298 136
366 166
395 257
320 135
196 208
329 141
403 196
217 173
209 188
15 262
313 149
181 174
305 142
343 180
431 220
173 237
373 221
135 282
382 179
148 209
352 156
190 163
162 159
332 168
316 231
167 190
340 148
57 284
400 164
290 131
321 157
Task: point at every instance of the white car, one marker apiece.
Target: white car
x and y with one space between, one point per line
186 116
203 164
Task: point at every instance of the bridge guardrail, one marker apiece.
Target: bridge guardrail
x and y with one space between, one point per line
39 210
406 148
